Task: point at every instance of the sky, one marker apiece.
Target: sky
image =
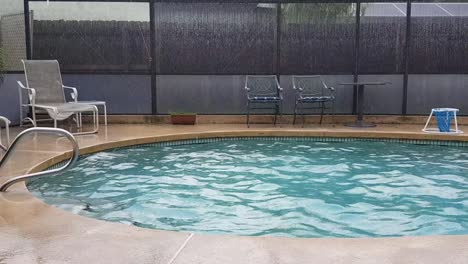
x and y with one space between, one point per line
140 11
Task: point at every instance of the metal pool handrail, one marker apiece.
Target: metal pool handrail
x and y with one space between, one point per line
44 130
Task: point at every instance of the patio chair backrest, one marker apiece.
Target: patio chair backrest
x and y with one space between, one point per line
44 76
262 85
312 85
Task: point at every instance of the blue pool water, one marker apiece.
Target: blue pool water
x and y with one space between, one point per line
283 188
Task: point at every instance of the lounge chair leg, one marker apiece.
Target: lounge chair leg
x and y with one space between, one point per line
105 115
21 111
77 120
34 115
96 119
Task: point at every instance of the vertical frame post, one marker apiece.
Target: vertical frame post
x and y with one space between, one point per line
356 53
154 104
278 40
278 48
404 103
27 30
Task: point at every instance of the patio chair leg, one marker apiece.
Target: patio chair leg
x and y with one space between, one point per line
302 114
280 109
55 123
276 113
333 111
321 113
295 113
248 113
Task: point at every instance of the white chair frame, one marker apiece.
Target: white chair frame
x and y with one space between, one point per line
7 123
32 103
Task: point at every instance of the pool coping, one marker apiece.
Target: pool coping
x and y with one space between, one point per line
405 136
358 134
244 133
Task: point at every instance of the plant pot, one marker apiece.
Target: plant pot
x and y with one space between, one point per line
183 119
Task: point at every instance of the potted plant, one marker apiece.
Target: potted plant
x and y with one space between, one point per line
180 118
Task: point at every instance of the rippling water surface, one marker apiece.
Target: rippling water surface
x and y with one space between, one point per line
285 188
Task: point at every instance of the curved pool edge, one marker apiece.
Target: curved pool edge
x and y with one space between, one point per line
243 133
20 210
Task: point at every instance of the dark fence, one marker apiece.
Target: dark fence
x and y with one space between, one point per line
206 38
93 45
317 48
439 45
237 41
382 45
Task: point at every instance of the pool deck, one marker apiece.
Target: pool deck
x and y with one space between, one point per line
33 232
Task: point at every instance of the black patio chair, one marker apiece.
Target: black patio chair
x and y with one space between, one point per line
263 92
312 93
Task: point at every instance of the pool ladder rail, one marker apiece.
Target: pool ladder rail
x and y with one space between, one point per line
43 130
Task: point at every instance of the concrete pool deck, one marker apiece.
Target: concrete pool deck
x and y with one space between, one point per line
33 232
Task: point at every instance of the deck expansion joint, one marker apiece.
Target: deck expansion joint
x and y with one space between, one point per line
180 249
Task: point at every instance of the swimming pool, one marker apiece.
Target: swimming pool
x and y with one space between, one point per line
279 187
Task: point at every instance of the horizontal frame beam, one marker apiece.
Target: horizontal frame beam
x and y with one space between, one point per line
240 73
231 1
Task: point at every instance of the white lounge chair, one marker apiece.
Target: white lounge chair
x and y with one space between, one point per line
46 92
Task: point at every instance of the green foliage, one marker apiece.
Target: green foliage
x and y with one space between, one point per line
317 13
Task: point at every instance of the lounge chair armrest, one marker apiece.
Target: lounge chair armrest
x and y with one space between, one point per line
31 92
74 92
21 85
69 87
6 123
331 88
5 120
